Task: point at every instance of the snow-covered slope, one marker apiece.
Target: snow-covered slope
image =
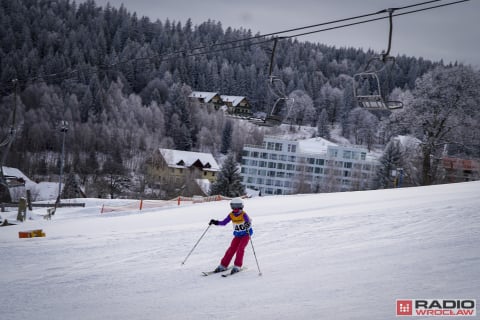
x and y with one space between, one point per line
324 256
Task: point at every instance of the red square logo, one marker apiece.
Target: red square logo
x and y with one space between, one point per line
404 307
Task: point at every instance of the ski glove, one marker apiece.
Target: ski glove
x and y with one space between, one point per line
213 221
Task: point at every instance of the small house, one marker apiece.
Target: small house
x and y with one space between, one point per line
207 97
177 169
237 105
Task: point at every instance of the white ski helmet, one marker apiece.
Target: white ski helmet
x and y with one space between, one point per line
236 203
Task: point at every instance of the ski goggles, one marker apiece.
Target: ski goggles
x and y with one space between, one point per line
236 206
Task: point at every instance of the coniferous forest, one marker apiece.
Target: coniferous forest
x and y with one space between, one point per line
122 84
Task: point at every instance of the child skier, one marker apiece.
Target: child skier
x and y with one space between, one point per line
241 230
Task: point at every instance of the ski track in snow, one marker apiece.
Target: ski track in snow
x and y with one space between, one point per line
325 256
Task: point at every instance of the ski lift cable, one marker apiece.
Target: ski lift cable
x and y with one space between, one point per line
391 15
191 53
188 52
375 19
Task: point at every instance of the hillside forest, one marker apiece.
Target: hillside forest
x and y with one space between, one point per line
122 84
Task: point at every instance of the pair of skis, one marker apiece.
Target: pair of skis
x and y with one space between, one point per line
224 273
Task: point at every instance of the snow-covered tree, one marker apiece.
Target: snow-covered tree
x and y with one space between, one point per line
323 128
362 127
229 181
391 159
444 100
300 108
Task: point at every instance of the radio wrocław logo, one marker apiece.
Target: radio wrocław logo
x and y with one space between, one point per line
437 307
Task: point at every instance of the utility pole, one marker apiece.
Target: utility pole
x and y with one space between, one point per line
7 143
63 130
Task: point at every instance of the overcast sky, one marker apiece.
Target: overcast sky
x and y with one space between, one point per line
450 33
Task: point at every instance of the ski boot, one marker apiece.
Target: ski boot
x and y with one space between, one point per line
235 269
220 268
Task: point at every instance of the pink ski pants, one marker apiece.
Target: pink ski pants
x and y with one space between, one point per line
236 247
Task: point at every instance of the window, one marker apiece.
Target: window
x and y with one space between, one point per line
333 153
347 165
278 146
319 162
281 166
280 174
273 156
292 148
347 154
318 170
270 146
262 164
245 153
264 155
363 156
272 165
311 160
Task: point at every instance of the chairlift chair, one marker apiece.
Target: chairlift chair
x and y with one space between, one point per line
373 99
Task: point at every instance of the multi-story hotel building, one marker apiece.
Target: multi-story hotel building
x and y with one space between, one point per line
281 166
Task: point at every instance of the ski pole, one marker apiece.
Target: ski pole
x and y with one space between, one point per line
195 245
255 255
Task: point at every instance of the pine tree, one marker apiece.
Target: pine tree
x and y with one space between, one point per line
322 125
390 160
71 188
229 181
